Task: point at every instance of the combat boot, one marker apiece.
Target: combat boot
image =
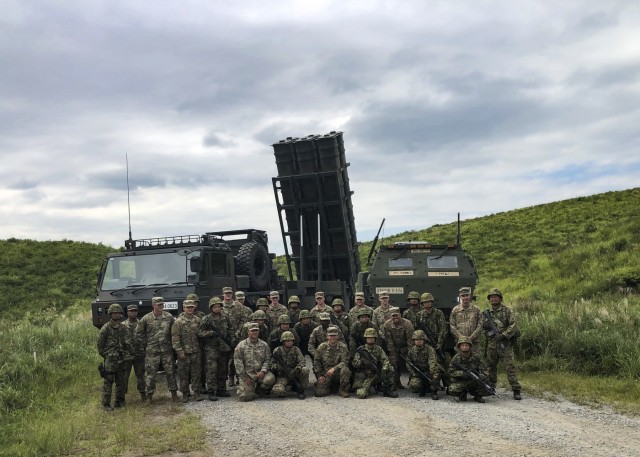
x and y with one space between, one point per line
174 396
149 399
222 393
197 396
185 397
434 396
462 396
343 393
516 395
119 404
302 395
143 397
390 393
212 397
107 407
478 399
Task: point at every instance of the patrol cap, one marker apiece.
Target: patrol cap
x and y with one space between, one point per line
383 294
215 301
274 293
239 294
304 314
188 304
132 308
465 291
262 302
155 300
227 290
332 331
359 295
253 326
193 297
494 291
395 310
319 294
324 317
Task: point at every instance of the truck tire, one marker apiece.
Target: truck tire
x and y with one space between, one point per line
253 260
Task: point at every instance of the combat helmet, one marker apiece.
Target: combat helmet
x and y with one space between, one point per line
494 291
370 333
294 299
286 336
415 295
284 319
114 308
426 297
419 335
262 302
337 301
215 301
193 297
304 314
259 315
363 312
464 339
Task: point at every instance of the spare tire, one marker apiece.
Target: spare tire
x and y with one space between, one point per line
253 260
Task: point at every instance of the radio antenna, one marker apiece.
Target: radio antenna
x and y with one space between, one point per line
128 201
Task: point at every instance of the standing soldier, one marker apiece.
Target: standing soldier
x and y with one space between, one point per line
356 334
398 332
340 319
240 299
200 314
414 308
215 331
321 307
134 357
263 305
303 329
112 347
276 309
237 314
381 315
290 367
331 366
294 309
372 368
284 323
432 322
422 361
252 358
501 328
461 382
319 334
466 319
154 334
184 337
353 312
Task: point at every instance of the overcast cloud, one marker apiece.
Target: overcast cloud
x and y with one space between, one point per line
472 107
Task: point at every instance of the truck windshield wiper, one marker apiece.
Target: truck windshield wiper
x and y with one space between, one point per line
441 254
147 287
169 285
130 286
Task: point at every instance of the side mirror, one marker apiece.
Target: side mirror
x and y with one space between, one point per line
195 264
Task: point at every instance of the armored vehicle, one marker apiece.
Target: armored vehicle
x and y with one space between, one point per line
176 266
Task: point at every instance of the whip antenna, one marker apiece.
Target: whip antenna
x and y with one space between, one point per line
128 201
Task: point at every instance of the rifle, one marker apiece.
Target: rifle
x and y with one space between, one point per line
287 372
493 328
476 377
428 380
431 339
217 334
368 359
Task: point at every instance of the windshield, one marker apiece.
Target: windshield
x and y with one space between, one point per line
447 261
146 269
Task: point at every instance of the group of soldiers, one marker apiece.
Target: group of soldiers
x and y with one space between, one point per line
263 352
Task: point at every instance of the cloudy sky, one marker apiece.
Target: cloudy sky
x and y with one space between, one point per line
473 107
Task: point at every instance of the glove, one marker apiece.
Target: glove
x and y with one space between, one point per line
500 337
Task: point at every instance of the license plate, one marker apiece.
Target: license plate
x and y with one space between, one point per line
171 305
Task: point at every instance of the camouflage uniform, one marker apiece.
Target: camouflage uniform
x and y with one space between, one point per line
425 359
398 338
244 333
353 313
435 322
366 376
274 313
466 322
342 321
460 384
134 358
304 332
379 317
357 335
294 316
336 357
184 338
214 328
505 321
154 334
319 336
250 358
238 315
296 365
274 338
316 311
112 347
411 314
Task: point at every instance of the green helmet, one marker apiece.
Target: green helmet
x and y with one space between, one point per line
419 335
464 339
259 315
284 319
494 291
332 330
363 312
115 308
415 295
193 297
294 298
337 301
370 333
426 297
304 314
262 302
286 336
215 301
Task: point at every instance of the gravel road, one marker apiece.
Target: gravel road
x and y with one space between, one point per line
412 426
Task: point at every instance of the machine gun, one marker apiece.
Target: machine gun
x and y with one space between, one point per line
476 377
287 372
427 380
492 331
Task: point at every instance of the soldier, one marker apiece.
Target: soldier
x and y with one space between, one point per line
466 319
134 358
500 345
184 338
154 334
263 305
289 366
321 307
240 299
331 366
252 358
422 360
319 334
260 318
398 332
237 314
276 309
381 315
461 382
340 319
356 334
353 312
203 362
294 309
432 321
112 347
303 329
196 300
372 368
414 308
284 322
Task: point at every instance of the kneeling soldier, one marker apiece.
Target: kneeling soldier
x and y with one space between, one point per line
289 366
372 368
422 363
252 358
463 364
331 366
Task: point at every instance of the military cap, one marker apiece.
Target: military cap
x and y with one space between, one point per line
383 294
494 291
394 310
227 290
324 317
262 302
274 293
259 315
464 339
363 312
114 308
304 314
426 297
188 303
413 295
132 308
215 301
319 294
331 330
294 299
284 319
155 300
239 294
359 295
253 326
286 336
370 333
337 301
465 291
193 297
419 335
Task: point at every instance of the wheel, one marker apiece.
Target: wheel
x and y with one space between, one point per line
253 260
